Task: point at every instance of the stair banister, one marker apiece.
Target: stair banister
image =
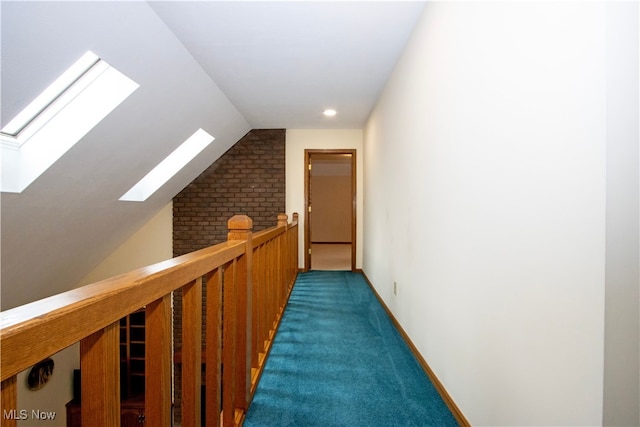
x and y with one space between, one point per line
91 314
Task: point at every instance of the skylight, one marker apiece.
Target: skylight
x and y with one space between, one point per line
167 168
58 118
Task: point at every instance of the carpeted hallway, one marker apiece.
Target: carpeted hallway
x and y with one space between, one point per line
337 360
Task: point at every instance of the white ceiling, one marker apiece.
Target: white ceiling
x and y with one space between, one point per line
282 63
226 67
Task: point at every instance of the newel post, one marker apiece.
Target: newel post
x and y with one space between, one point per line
282 220
240 227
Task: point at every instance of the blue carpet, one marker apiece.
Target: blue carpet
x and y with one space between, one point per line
337 360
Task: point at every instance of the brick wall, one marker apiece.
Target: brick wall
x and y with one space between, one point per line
248 179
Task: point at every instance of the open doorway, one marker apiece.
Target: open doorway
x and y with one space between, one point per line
330 199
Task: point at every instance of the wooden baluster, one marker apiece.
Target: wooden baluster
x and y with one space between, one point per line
240 229
296 245
289 257
257 353
100 366
191 353
286 257
264 307
158 363
214 347
293 254
255 313
264 290
9 402
282 249
276 280
274 286
279 274
268 308
229 345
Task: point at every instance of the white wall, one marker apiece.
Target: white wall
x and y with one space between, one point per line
297 140
152 243
622 290
485 179
54 395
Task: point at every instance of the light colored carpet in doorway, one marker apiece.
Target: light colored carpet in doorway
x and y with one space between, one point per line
330 256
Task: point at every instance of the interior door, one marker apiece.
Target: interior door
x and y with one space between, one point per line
330 216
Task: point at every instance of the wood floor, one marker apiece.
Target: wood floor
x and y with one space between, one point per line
331 256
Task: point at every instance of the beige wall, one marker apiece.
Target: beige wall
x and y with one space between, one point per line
297 141
150 244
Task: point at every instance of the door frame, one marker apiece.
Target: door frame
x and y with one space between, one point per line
308 153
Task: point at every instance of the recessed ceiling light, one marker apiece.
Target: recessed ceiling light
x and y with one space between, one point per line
330 112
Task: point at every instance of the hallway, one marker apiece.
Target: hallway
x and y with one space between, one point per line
338 360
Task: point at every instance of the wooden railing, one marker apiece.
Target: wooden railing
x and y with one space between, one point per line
248 281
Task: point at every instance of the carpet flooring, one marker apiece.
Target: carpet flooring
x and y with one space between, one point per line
331 256
337 360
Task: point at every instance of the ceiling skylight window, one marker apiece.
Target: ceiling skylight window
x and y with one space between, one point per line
58 118
167 168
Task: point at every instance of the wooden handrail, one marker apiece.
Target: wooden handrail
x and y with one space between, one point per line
91 314
34 331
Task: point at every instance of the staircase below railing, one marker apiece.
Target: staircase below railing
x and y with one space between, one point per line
248 282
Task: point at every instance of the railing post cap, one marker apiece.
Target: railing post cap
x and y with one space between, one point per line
240 222
282 220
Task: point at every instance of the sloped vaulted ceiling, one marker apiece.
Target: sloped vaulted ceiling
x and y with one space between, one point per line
70 218
225 67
